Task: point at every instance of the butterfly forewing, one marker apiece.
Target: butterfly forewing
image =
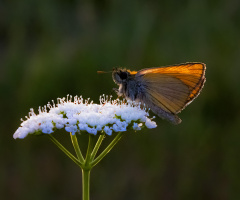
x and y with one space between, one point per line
172 88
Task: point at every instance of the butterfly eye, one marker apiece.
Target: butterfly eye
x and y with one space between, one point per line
123 75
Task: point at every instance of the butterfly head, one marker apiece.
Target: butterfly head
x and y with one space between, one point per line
120 76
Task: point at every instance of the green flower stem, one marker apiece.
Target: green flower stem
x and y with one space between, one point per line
98 144
89 151
86 168
109 147
88 163
77 148
85 184
54 140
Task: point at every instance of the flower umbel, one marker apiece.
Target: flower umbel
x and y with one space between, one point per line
78 115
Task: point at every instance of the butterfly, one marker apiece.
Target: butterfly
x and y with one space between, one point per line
165 90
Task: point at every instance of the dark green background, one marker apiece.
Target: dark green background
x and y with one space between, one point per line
49 49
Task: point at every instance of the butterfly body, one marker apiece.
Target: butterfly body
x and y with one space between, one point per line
129 86
165 90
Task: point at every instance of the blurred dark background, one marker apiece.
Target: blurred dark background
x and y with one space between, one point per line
49 49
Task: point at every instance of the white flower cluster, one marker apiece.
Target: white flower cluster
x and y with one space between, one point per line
81 115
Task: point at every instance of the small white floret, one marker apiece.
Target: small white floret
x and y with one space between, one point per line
150 124
136 126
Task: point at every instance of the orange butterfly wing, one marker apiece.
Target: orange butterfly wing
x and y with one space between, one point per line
172 88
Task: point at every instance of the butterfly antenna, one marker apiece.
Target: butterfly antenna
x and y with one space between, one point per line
103 72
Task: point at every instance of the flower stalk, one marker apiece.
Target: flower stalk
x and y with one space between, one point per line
89 162
97 146
60 146
108 149
77 148
86 184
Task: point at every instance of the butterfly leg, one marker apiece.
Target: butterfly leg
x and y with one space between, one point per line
117 91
